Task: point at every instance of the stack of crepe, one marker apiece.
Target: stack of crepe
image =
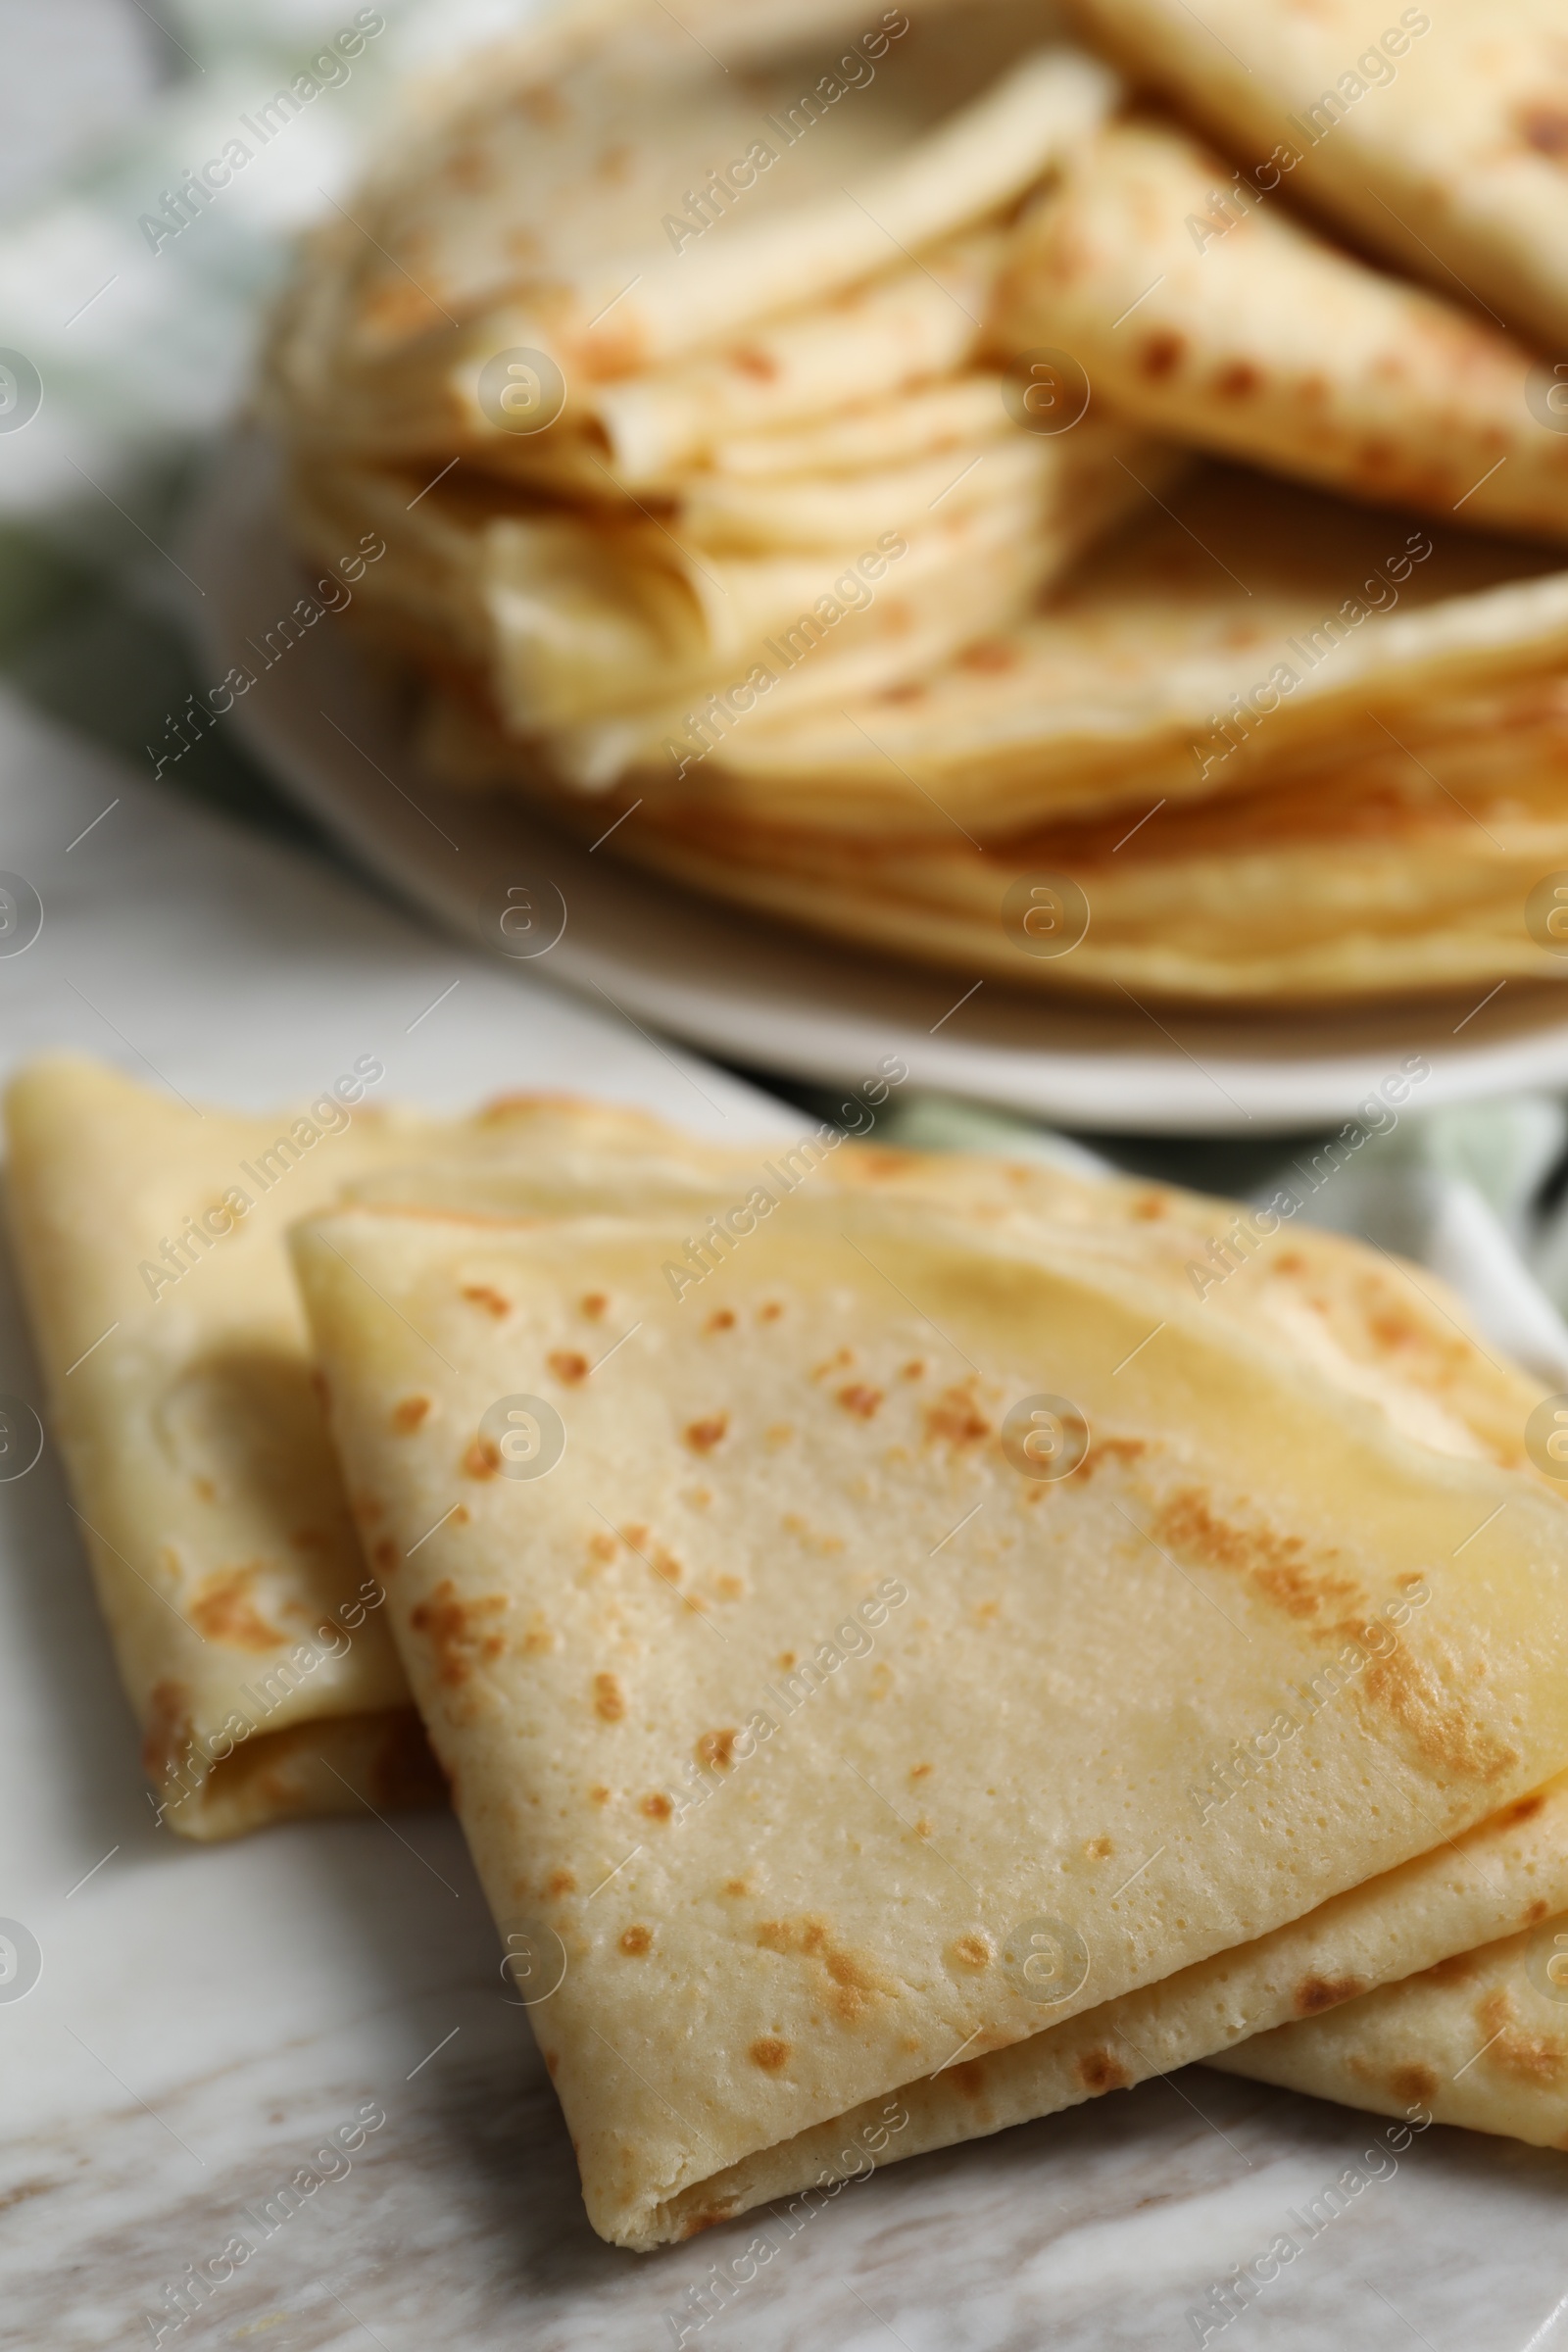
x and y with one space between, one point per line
760 295
907 1657
946 502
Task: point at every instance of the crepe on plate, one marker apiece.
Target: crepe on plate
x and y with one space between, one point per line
1242 331
661 591
1407 871
1240 633
857 1899
1435 137
595 634
786 424
569 192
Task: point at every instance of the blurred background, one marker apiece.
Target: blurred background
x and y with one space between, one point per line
145 354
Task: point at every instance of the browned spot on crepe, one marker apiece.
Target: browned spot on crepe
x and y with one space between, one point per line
461 1634
1412 2085
853 1982
1314 1994
1274 1563
481 1293
223 1611
1544 127
1100 2069
1538 2059
954 1421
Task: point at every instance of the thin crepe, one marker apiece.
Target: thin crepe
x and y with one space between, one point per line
911 325
1428 1914
1396 1337
1246 333
579 1640
246 1622
1235 633
1480 2039
1366 1324
1436 138
1415 867
232 1402
597 632
538 199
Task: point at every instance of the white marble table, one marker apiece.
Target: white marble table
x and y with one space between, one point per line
206 2016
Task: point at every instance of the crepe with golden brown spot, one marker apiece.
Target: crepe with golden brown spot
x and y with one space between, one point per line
1478 2039
1255 639
1397 869
1255 338
1277 1559
1435 138
246 1619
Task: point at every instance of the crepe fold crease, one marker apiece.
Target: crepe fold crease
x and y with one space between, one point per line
1479 2038
753 1753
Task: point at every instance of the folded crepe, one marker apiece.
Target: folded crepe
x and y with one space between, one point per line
1403 870
606 574
1366 1324
1435 138
1510 1870
1392 1335
197 1482
596 636
575 194
910 326
1242 331
1392 1339
766 1877
246 1622
1235 634
774 573
1481 2039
